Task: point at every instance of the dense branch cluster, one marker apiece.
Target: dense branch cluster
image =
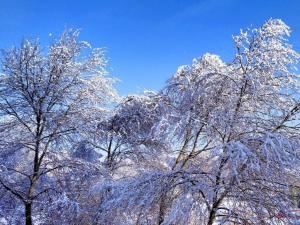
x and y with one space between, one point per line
219 144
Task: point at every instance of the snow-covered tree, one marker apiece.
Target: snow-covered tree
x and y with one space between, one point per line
46 95
232 137
219 144
129 131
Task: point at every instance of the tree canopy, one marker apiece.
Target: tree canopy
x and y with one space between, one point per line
218 144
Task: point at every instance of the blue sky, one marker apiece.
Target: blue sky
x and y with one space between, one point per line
146 40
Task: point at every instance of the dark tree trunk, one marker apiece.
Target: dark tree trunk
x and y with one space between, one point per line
211 217
161 214
28 218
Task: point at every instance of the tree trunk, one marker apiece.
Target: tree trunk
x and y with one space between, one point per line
161 213
28 210
211 217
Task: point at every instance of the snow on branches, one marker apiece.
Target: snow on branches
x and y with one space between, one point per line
219 144
233 132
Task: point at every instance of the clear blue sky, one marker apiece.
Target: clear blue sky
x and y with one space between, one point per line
146 40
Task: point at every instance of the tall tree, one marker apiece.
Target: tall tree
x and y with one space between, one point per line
233 131
45 96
